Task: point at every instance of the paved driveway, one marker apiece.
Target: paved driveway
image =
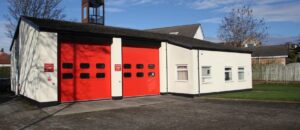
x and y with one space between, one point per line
156 112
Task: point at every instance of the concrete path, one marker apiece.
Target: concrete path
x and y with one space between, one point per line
92 106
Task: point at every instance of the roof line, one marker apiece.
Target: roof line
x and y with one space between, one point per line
198 24
66 26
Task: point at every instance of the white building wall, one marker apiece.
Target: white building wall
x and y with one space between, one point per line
163 67
116 76
182 56
218 61
13 71
199 34
36 49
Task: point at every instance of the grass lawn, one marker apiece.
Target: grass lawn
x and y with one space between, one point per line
279 92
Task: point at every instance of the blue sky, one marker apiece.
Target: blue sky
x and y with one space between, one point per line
282 16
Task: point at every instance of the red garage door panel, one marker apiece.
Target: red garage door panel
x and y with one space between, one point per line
85 72
93 71
67 72
140 71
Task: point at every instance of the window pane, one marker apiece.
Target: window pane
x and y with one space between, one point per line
84 75
182 75
67 65
127 66
127 75
100 66
151 66
181 67
241 76
205 71
139 66
151 74
228 76
84 65
139 74
228 69
67 76
100 75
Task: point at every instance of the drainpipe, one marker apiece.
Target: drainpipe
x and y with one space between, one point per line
198 64
167 79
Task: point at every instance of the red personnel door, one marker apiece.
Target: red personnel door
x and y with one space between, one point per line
140 70
85 72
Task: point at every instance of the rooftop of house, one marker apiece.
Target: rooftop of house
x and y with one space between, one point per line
182 30
271 50
4 57
108 31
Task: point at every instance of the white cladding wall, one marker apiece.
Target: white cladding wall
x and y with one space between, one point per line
37 48
13 71
199 34
182 56
218 61
116 76
163 67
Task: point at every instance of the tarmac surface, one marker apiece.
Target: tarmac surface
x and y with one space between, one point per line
154 112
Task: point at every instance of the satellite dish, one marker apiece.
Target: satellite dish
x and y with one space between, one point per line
96 3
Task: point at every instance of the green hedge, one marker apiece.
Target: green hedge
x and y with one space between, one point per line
4 72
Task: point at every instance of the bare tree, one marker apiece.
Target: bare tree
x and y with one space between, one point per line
241 26
48 9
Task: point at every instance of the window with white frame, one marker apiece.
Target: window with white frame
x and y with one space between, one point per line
182 73
241 73
228 74
206 74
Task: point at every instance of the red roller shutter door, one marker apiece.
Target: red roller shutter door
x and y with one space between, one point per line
85 72
140 70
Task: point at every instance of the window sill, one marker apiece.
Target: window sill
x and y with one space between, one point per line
181 80
242 80
230 81
207 83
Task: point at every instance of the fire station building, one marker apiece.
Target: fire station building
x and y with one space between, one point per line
60 61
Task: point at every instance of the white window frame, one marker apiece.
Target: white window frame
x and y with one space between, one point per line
187 69
230 72
241 71
207 77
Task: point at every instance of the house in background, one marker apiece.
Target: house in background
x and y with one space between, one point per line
273 54
191 31
4 59
251 43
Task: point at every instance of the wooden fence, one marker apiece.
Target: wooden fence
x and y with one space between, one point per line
277 72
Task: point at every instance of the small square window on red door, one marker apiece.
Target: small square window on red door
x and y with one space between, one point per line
151 66
84 65
84 75
100 66
67 65
67 76
139 66
127 66
100 75
151 74
127 75
140 74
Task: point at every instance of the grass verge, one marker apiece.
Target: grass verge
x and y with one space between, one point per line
278 92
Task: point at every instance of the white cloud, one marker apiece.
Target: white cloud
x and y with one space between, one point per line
279 13
114 10
216 20
270 10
